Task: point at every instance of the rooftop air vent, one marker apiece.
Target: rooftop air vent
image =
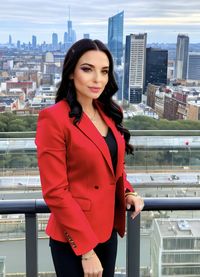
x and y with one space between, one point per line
184 225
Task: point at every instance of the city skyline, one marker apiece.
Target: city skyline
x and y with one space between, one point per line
163 21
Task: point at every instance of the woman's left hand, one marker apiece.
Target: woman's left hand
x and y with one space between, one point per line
135 201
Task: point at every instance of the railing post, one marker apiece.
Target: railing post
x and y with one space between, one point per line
133 246
31 245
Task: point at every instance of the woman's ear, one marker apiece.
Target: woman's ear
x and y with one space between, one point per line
71 76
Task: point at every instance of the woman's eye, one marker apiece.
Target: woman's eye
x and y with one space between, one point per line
105 72
86 69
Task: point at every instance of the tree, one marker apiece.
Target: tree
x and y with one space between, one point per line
147 123
17 125
3 126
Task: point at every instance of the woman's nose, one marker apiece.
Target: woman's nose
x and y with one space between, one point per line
97 77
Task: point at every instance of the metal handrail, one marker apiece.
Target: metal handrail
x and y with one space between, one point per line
31 207
23 206
34 206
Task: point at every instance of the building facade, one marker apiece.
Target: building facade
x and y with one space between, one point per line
151 95
70 35
193 110
156 66
160 103
24 86
170 108
193 71
119 79
55 41
182 47
34 42
134 67
115 36
175 247
86 35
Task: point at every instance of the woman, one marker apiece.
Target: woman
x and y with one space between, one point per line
81 145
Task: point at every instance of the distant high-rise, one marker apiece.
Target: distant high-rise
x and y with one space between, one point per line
34 42
156 66
115 36
65 37
182 47
18 44
69 28
134 67
86 35
55 41
193 72
70 35
10 40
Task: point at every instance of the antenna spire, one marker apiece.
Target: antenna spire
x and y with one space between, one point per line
69 12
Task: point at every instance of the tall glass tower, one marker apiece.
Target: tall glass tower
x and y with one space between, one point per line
115 36
134 67
182 47
193 72
55 41
34 42
70 35
156 66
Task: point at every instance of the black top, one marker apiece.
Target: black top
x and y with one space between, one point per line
112 145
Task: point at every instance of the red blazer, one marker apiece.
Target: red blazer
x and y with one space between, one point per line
85 196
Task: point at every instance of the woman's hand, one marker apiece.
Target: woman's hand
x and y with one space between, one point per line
91 265
135 201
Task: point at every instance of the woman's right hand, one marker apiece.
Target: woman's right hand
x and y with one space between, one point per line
91 265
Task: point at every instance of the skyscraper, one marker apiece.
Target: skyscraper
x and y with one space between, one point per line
70 35
10 40
156 66
134 67
34 42
86 35
65 37
18 44
119 79
193 72
55 41
182 47
115 36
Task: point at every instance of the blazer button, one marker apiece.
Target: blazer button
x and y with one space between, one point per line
96 187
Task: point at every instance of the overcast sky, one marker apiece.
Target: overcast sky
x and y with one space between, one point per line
161 19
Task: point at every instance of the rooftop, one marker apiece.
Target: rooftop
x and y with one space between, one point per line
178 227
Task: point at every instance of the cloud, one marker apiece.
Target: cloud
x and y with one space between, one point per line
22 18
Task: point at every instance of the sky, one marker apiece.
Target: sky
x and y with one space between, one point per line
162 20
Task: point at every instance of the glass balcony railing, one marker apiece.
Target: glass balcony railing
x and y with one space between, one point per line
32 208
157 150
164 170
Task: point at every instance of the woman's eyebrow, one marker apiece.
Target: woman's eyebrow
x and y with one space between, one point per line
91 65
87 64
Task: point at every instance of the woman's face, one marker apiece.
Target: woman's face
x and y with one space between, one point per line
91 75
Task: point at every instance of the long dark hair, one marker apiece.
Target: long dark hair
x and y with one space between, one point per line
67 90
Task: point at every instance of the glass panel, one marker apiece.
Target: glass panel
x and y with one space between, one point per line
174 243
12 243
153 171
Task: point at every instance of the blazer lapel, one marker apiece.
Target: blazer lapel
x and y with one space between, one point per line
120 142
87 127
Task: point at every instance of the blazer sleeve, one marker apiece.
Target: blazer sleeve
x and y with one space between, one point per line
52 150
127 184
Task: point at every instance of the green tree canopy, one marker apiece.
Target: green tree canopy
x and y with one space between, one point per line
10 122
147 123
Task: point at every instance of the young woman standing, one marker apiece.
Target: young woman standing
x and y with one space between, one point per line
81 145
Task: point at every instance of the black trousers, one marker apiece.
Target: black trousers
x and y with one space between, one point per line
67 264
